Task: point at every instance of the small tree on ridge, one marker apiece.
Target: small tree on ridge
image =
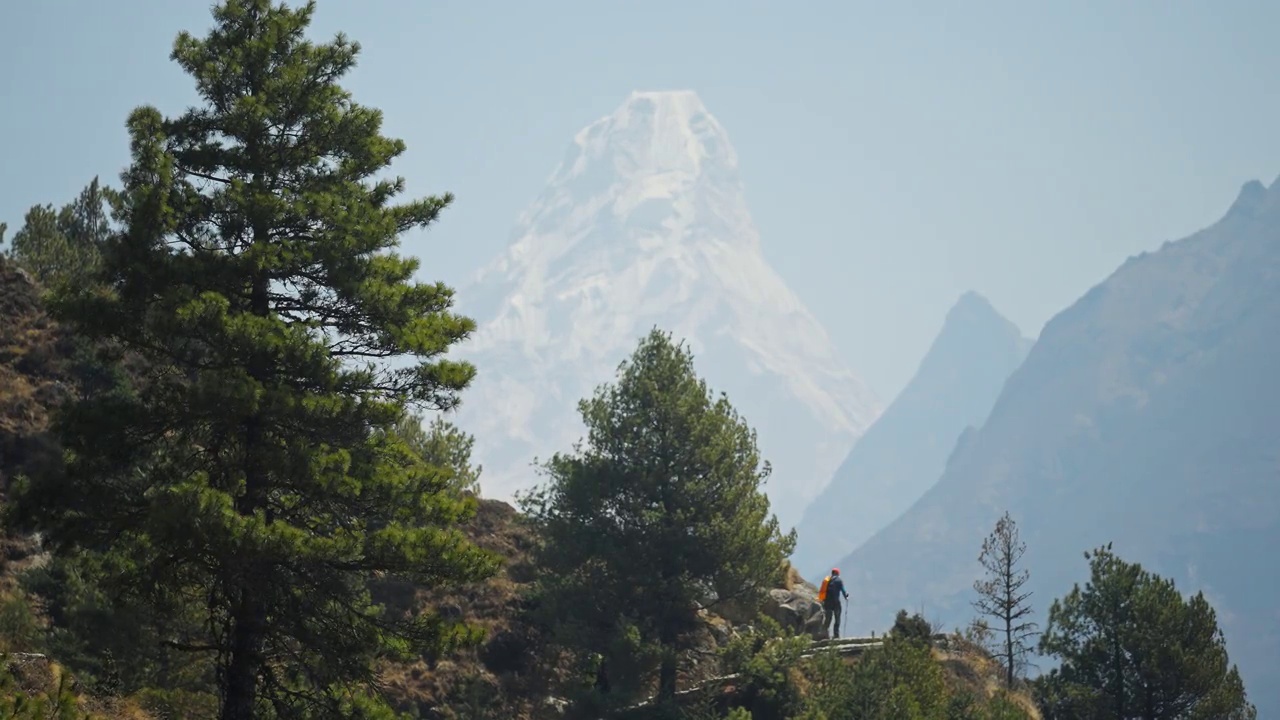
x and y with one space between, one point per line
1002 598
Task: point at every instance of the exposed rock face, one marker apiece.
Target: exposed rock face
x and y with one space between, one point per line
645 223
1148 415
797 610
905 451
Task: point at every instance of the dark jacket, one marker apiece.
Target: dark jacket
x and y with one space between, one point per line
835 590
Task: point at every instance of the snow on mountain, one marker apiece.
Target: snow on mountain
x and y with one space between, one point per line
645 223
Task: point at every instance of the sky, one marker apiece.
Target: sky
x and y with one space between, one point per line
895 155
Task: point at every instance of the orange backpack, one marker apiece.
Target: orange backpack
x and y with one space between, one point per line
822 591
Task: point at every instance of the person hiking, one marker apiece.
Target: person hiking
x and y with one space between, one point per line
830 595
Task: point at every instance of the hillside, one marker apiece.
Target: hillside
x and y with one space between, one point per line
514 672
905 451
645 223
1148 414
504 671
34 358
32 371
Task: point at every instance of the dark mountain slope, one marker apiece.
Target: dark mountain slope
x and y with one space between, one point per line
1148 414
906 449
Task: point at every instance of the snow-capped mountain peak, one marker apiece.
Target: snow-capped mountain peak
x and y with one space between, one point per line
659 135
644 223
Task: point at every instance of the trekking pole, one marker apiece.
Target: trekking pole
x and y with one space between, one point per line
845 631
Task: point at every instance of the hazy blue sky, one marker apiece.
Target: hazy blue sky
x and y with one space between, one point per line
895 154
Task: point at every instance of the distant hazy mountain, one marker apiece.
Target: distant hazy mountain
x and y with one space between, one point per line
905 451
644 223
1148 414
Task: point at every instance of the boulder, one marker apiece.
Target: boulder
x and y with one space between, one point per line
797 609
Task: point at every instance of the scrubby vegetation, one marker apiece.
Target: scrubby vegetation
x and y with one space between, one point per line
222 501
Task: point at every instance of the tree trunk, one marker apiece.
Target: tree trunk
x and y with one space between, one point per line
670 658
1008 646
245 662
249 615
667 677
1008 602
1117 661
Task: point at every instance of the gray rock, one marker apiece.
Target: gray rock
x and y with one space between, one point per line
797 610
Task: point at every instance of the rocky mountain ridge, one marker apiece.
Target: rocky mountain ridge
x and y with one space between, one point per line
1148 415
905 451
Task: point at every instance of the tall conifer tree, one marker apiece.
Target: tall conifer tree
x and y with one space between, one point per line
254 469
659 513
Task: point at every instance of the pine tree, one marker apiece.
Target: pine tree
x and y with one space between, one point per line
64 246
254 470
443 445
660 513
1133 647
1002 598
39 247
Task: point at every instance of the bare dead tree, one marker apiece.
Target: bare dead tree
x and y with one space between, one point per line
1002 598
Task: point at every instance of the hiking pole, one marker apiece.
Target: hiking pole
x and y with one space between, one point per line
845 631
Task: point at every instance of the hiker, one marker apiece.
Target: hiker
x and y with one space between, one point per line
830 595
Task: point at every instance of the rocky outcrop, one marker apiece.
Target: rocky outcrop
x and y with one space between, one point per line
797 609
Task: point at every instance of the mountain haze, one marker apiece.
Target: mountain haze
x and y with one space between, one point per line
905 451
1148 414
644 223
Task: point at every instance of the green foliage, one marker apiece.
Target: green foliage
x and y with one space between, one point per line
1132 646
64 247
1001 596
977 632
767 661
59 703
661 511
253 474
900 680
1002 707
443 446
19 629
186 704
830 687
613 652
913 628
115 643
1060 698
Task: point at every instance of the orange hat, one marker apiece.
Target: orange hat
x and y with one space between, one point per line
835 571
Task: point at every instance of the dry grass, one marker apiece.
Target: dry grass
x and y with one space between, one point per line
970 667
33 381
32 375
39 676
498 672
792 578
